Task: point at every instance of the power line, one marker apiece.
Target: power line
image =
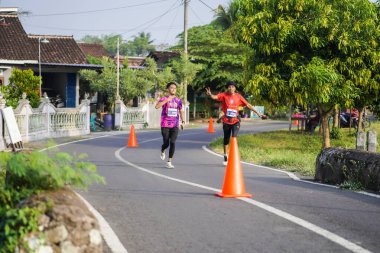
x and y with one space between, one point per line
149 22
154 20
167 32
93 11
195 14
214 10
169 27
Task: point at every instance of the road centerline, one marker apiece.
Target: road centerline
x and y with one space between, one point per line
296 220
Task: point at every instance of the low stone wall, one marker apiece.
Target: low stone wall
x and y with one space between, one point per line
334 166
66 226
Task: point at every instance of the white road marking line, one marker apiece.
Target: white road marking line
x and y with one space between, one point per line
118 156
71 142
105 229
314 228
293 176
110 233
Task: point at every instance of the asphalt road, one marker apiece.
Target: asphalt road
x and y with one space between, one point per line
155 209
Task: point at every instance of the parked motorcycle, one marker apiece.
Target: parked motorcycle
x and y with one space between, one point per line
57 101
345 121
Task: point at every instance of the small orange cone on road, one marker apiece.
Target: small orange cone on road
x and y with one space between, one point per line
233 186
132 142
211 126
295 122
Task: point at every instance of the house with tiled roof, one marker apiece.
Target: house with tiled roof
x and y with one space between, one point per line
163 57
98 51
93 49
57 59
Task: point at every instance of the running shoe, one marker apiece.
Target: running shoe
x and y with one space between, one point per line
162 156
225 160
169 165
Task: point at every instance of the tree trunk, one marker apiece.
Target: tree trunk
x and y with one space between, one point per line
336 117
326 130
360 119
195 106
290 117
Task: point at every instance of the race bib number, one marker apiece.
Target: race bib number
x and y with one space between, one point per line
231 113
172 112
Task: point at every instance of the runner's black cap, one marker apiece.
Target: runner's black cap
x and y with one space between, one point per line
230 83
170 83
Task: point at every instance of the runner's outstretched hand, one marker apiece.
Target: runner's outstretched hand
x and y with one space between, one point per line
208 91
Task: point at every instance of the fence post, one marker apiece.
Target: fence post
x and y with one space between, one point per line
360 140
371 141
2 140
146 116
87 102
21 106
44 106
118 114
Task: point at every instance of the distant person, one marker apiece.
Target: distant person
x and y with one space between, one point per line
170 121
231 100
313 122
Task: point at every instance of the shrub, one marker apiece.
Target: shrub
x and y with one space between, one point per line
336 133
41 171
22 81
24 174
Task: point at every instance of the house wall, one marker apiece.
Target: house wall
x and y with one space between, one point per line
5 74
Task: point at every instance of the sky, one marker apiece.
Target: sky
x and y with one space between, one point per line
163 19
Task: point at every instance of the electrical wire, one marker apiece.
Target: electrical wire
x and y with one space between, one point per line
154 20
93 11
168 30
214 10
195 14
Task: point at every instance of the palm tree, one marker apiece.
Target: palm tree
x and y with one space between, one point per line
225 17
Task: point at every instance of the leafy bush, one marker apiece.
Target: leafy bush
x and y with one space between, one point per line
41 171
336 133
22 81
15 224
24 174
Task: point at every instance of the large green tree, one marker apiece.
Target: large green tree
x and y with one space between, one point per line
22 81
184 69
360 60
308 51
140 45
132 83
220 57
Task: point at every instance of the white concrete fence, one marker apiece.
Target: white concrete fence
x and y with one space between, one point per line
145 116
47 121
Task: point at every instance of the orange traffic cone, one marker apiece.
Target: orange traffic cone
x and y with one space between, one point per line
211 126
132 142
295 122
233 186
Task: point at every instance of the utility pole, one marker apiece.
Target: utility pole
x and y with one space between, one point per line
185 28
118 71
185 52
